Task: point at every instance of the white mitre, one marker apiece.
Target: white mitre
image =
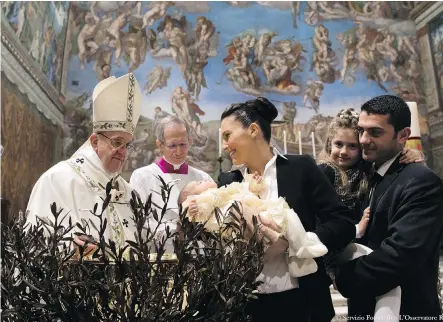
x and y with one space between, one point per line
116 104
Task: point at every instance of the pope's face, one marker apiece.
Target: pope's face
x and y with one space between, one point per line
112 149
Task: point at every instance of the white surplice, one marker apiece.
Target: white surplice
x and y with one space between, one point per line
145 181
76 185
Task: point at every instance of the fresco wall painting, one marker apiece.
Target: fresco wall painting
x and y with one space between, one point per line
436 41
40 27
193 59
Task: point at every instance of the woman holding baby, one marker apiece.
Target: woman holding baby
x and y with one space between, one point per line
246 132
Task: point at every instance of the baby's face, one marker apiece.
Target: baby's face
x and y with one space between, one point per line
199 187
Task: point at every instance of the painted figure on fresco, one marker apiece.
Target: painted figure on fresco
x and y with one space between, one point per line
195 78
36 45
50 54
313 92
157 11
41 28
248 57
350 62
263 43
85 40
184 107
289 114
114 37
295 7
204 30
135 45
102 65
324 59
20 19
318 11
157 79
176 37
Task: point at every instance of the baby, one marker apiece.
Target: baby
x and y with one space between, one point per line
275 218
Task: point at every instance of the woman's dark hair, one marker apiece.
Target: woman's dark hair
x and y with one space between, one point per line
259 110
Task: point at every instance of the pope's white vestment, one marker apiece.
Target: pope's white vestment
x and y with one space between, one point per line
76 185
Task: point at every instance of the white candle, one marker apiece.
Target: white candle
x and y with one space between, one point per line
285 146
220 142
299 143
313 144
415 121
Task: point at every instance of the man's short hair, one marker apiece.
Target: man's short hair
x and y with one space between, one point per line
394 106
167 121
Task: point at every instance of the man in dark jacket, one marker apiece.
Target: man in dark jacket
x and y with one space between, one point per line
406 221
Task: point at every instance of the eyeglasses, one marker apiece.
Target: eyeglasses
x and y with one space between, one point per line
117 144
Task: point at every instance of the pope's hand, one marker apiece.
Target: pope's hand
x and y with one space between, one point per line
80 240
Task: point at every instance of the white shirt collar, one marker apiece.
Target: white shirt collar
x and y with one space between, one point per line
278 153
176 166
385 166
243 167
267 166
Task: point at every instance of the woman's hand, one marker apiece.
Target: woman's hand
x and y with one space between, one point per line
269 229
266 227
276 248
411 156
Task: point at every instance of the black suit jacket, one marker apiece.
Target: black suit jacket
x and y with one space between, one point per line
308 191
404 231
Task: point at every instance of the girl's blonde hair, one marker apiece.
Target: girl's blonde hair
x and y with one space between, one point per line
346 119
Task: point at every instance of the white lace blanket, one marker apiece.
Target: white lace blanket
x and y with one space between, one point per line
303 246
